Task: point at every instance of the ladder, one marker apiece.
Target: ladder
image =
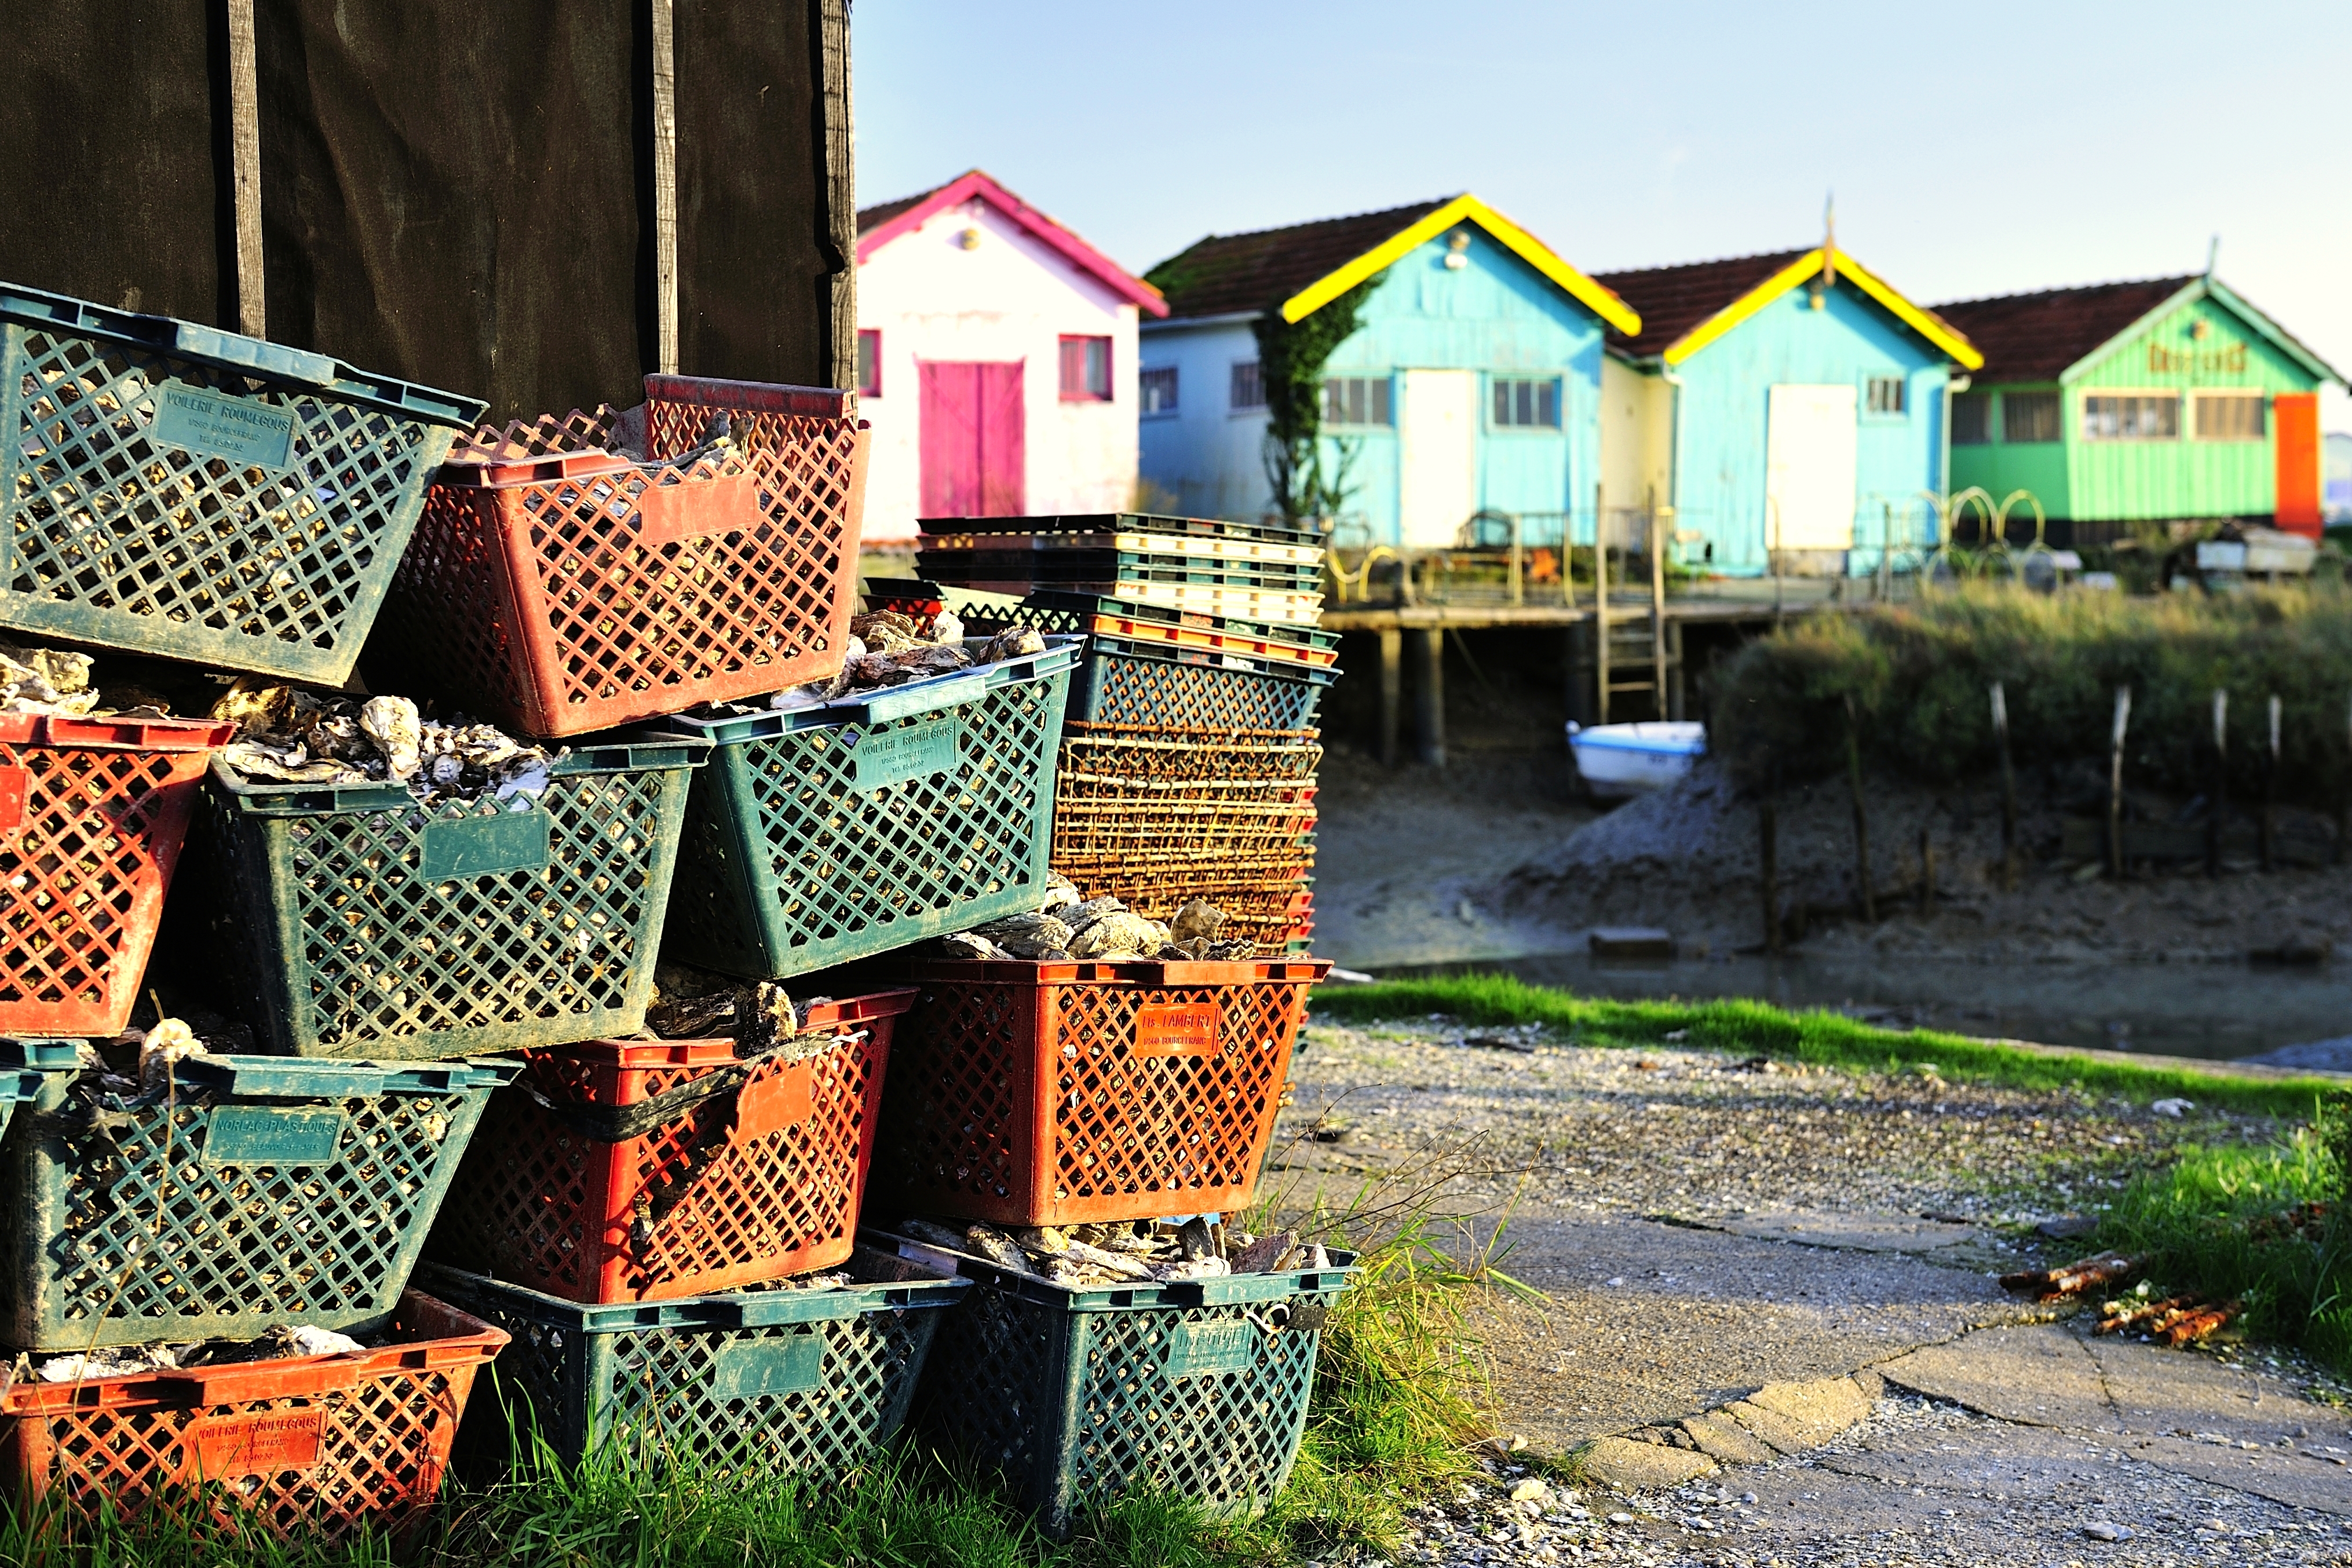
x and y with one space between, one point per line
1636 637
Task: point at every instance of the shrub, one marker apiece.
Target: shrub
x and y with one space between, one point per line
1921 672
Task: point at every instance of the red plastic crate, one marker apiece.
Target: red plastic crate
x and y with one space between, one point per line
92 813
809 447
746 1185
559 588
1055 1094
316 1448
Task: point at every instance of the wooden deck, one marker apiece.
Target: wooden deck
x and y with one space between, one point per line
1417 633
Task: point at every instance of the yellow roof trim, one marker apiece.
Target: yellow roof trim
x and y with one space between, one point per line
1741 309
1513 238
1937 332
1951 342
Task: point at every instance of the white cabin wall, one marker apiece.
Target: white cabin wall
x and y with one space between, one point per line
1009 298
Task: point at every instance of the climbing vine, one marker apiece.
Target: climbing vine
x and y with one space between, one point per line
1290 357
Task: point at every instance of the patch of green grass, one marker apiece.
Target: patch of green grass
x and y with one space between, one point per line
1824 1039
2211 1224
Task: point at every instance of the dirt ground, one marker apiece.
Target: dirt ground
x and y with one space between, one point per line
1688 859
1693 1233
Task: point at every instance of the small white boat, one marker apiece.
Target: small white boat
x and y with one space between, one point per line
1621 760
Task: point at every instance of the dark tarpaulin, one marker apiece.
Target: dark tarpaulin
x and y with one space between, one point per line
116 183
754 291
450 192
457 194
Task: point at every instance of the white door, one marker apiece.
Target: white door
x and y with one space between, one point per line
1809 457
1437 455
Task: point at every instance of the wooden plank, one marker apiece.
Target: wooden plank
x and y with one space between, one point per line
665 156
841 186
245 169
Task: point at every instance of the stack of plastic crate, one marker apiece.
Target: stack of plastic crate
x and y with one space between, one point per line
1190 715
666 1227
185 1230
1089 1092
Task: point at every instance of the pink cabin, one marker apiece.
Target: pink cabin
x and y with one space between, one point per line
995 358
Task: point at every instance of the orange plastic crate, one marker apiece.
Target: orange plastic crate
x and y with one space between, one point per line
1057 1093
317 1448
739 1186
92 813
560 588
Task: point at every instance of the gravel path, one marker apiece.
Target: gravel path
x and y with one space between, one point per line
1698 1134
1922 1482
1701 1226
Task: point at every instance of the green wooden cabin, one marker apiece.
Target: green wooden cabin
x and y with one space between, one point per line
2168 399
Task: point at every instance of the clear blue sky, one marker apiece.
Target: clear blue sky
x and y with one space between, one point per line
2030 145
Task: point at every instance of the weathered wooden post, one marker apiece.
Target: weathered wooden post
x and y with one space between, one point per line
1861 818
2116 783
2344 798
1391 694
2008 789
2221 807
1600 609
2269 794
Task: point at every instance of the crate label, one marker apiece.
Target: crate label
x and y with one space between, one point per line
261 1443
776 1100
215 424
1179 1029
886 756
762 1368
717 504
480 846
272 1135
12 798
1196 1349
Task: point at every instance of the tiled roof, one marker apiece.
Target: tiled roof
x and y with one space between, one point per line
1228 273
880 225
2033 336
1674 299
883 212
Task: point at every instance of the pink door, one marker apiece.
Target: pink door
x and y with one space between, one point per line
972 441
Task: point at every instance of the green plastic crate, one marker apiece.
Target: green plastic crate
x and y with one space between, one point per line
831 833
1196 1389
356 927
25 1069
167 487
752 1380
258 1190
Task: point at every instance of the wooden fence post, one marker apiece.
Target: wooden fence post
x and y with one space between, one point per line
2116 783
2008 790
2269 794
2219 811
1861 817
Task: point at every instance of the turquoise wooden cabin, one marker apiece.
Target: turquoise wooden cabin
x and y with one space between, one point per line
1790 409
1472 383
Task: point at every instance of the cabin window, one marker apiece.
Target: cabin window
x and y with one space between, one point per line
1248 390
1085 369
1357 400
1156 389
869 362
1889 396
2029 416
1519 400
2131 416
2230 416
1971 419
